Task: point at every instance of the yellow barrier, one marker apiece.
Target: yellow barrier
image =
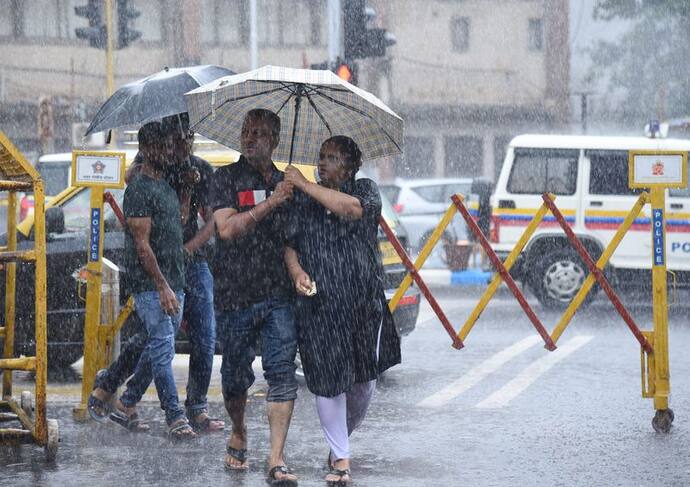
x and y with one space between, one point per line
16 174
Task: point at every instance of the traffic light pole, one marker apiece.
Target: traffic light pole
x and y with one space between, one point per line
109 78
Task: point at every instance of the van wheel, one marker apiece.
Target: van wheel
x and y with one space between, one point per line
557 278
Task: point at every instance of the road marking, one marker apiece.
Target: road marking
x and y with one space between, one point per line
531 373
479 372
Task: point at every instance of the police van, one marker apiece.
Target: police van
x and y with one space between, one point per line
589 177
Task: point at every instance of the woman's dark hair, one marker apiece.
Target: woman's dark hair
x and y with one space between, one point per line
350 149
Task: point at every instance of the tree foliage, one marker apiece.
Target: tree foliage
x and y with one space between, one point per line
647 69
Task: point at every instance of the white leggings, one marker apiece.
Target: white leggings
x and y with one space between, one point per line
342 414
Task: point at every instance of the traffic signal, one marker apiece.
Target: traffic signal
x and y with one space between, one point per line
346 71
95 33
343 69
360 41
125 15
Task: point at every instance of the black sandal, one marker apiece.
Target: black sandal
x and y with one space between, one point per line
274 482
98 409
239 454
340 473
131 423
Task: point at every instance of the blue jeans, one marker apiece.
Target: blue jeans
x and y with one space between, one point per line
238 330
156 361
200 316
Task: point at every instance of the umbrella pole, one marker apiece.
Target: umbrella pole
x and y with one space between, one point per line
298 102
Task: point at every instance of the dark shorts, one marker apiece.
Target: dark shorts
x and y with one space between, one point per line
274 320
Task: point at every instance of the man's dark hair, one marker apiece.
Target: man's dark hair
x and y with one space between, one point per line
350 149
149 134
176 125
267 116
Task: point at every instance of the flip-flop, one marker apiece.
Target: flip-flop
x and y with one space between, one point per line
274 482
340 473
98 409
239 454
131 423
181 432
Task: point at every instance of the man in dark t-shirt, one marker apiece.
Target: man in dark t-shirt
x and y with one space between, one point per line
154 259
190 177
253 293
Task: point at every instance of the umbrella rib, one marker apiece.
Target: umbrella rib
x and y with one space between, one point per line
235 99
361 112
318 112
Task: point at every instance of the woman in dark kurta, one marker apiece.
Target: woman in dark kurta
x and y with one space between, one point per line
346 332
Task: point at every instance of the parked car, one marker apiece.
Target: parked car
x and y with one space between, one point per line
421 203
67 228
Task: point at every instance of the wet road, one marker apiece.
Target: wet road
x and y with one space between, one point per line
502 411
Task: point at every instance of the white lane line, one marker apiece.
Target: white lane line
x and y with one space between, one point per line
478 372
531 373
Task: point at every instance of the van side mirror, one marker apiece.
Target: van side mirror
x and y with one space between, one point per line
55 220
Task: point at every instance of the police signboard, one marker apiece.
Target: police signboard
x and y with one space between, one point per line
664 169
96 168
658 235
95 234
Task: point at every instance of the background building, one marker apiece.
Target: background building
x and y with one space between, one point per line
465 75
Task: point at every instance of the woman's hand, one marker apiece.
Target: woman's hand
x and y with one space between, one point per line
295 176
303 283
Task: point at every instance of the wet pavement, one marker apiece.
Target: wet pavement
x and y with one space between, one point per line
502 411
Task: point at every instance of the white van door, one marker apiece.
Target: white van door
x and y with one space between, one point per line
678 229
607 201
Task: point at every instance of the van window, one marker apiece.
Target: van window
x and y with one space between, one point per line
55 177
608 173
537 171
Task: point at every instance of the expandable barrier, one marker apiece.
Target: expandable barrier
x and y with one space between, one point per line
655 377
16 174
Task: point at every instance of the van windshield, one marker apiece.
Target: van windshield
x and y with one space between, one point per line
55 177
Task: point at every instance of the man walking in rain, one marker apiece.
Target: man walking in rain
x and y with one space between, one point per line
253 293
190 177
155 262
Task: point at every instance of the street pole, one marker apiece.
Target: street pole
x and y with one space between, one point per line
110 82
253 36
109 77
334 30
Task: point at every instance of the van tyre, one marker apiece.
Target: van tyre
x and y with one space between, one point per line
557 278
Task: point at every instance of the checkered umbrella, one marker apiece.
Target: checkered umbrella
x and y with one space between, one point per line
312 105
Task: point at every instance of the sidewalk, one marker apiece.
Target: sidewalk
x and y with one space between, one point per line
67 386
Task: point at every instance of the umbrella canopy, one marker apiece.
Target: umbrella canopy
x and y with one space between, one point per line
312 105
153 97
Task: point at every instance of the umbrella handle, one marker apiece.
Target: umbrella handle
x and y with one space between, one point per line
298 102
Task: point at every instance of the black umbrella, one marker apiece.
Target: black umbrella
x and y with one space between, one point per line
154 97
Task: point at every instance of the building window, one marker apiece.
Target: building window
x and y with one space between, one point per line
150 22
535 35
464 156
41 19
418 160
225 22
6 21
460 33
279 24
